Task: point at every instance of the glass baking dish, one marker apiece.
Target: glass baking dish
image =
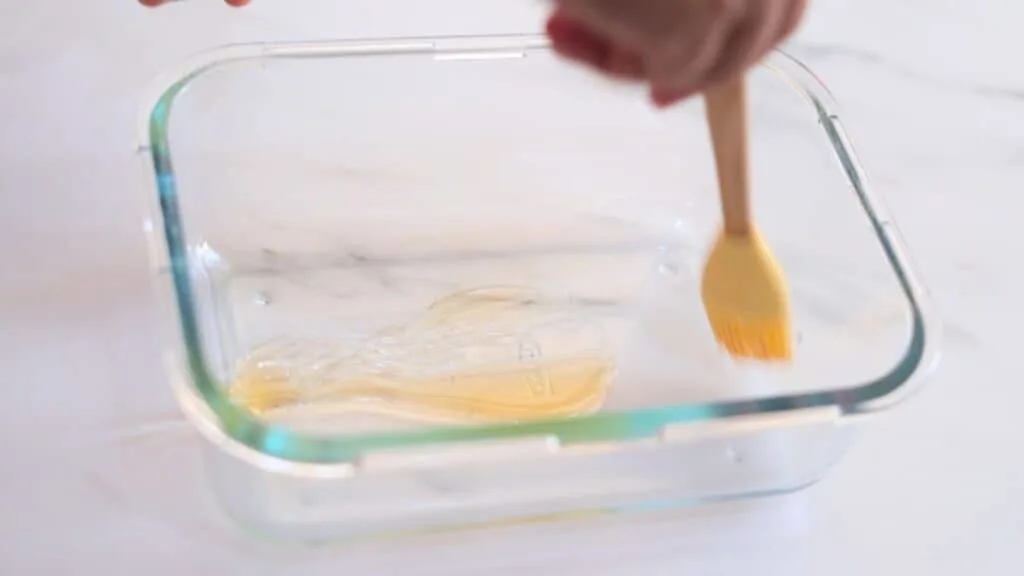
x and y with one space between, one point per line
476 268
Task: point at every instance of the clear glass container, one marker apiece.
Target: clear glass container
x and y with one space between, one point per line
464 275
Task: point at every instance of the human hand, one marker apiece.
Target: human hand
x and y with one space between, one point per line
677 47
155 3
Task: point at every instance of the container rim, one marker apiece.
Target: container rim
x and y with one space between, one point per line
239 432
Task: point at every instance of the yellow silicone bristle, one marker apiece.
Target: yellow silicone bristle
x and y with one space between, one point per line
746 299
746 341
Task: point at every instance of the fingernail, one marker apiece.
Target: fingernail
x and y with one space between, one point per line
623 64
575 42
665 98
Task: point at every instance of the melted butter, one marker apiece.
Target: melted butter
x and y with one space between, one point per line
480 356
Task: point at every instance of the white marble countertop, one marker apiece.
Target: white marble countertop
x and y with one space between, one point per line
933 96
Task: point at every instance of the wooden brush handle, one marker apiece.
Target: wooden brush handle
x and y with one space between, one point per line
727 119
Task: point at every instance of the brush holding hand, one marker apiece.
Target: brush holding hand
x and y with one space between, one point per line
679 48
